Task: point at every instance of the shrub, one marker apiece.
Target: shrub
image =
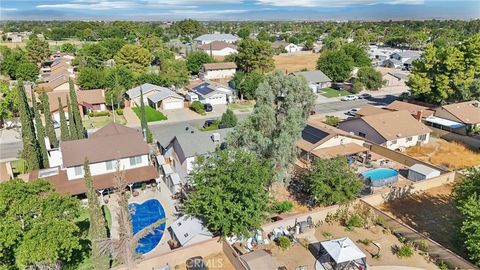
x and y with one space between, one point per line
422 245
284 242
442 265
332 120
355 221
365 241
357 87
97 114
198 107
282 207
380 221
405 251
119 111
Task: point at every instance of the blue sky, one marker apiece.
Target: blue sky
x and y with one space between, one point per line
238 9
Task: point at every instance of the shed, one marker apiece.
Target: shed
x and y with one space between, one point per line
174 183
421 172
189 230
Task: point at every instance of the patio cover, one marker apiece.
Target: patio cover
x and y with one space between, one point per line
167 169
343 250
339 150
444 122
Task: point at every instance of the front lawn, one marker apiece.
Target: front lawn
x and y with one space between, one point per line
330 92
152 114
101 121
243 107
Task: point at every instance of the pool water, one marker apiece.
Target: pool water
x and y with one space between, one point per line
381 176
143 215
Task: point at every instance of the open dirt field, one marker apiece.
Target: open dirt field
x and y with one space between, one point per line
296 61
449 154
431 212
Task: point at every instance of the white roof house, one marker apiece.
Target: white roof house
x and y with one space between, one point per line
421 172
156 96
189 230
209 38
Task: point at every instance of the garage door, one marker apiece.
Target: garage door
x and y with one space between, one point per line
170 104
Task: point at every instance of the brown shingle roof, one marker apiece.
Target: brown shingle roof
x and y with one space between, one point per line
217 46
123 144
468 112
314 134
394 125
221 65
369 110
77 186
410 107
94 96
51 85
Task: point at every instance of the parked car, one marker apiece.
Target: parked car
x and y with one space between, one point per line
365 96
208 107
353 111
341 86
196 263
208 123
349 97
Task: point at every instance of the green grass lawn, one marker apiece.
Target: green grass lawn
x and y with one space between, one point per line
330 92
152 114
108 216
101 121
243 107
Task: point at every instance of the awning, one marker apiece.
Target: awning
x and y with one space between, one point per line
342 250
444 122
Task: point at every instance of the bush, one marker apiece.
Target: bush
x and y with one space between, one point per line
357 87
332 120
282 207
380 221
97 114
442 265
198 107
422 245
355 221
365 241
119 111
284 242
405 251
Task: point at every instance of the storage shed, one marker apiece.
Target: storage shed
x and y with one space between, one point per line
174 183
421 172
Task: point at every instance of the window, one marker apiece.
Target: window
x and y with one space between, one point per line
409 139
422 137
78 170
361 134
111 165
135 160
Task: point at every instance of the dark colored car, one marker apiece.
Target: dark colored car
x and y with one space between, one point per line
208 107
341 86
196 263
365 96
208 123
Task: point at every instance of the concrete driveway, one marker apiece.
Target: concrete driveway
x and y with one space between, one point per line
185 114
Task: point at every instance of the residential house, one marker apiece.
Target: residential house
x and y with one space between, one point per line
219 48
418 111
188 230
379 54
320 140
394 130
213 71
402 59
155 96
370 110
462 117
186 146
213 93
209 38
286 46
111 147
316 79
88 101
393 77
59 83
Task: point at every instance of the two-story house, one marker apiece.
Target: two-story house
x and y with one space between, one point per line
110 148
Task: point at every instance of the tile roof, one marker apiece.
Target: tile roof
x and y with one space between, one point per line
468 112
220 65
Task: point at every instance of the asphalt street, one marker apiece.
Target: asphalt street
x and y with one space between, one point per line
9 151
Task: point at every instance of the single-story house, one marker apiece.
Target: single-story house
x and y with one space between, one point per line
189 230
417 111
185 147
319 140
466 115
60 83
213 71
50 76
88 101
108 148
209 38
394 130
219 48
393 77
155 96
288 47
405 57
421 172
213 93
369 110
316 79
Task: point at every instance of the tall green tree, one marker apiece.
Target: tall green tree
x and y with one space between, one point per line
71 122
8 101
370 78
31 150
332 181
230 191
336 64
280 114
77 118
49 128
195 60
98 228
243 32
40 131
358 54
68 48
228 119
91 78
134 57
64 131
91 55
143 119
38 226
37 50
26 71
254 55
174 73
247 83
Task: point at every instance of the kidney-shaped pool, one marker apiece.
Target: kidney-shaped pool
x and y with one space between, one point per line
143 215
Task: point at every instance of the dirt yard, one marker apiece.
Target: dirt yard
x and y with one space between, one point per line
452 155
280 193
213 261
296 61
431 212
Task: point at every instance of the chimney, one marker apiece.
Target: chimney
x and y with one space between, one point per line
418 115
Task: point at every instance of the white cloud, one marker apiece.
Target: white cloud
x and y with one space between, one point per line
92 5
7 9
330 3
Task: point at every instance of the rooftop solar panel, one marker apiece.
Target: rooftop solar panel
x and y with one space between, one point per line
203 89
313 135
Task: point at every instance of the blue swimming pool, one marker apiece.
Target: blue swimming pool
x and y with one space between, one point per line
380 176
143 215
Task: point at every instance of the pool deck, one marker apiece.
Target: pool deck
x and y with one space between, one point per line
163 195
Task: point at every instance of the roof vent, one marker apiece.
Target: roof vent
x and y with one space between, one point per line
216 137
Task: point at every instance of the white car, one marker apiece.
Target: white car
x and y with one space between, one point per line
349 97
353 111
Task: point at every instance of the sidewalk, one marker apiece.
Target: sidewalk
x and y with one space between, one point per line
131 117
